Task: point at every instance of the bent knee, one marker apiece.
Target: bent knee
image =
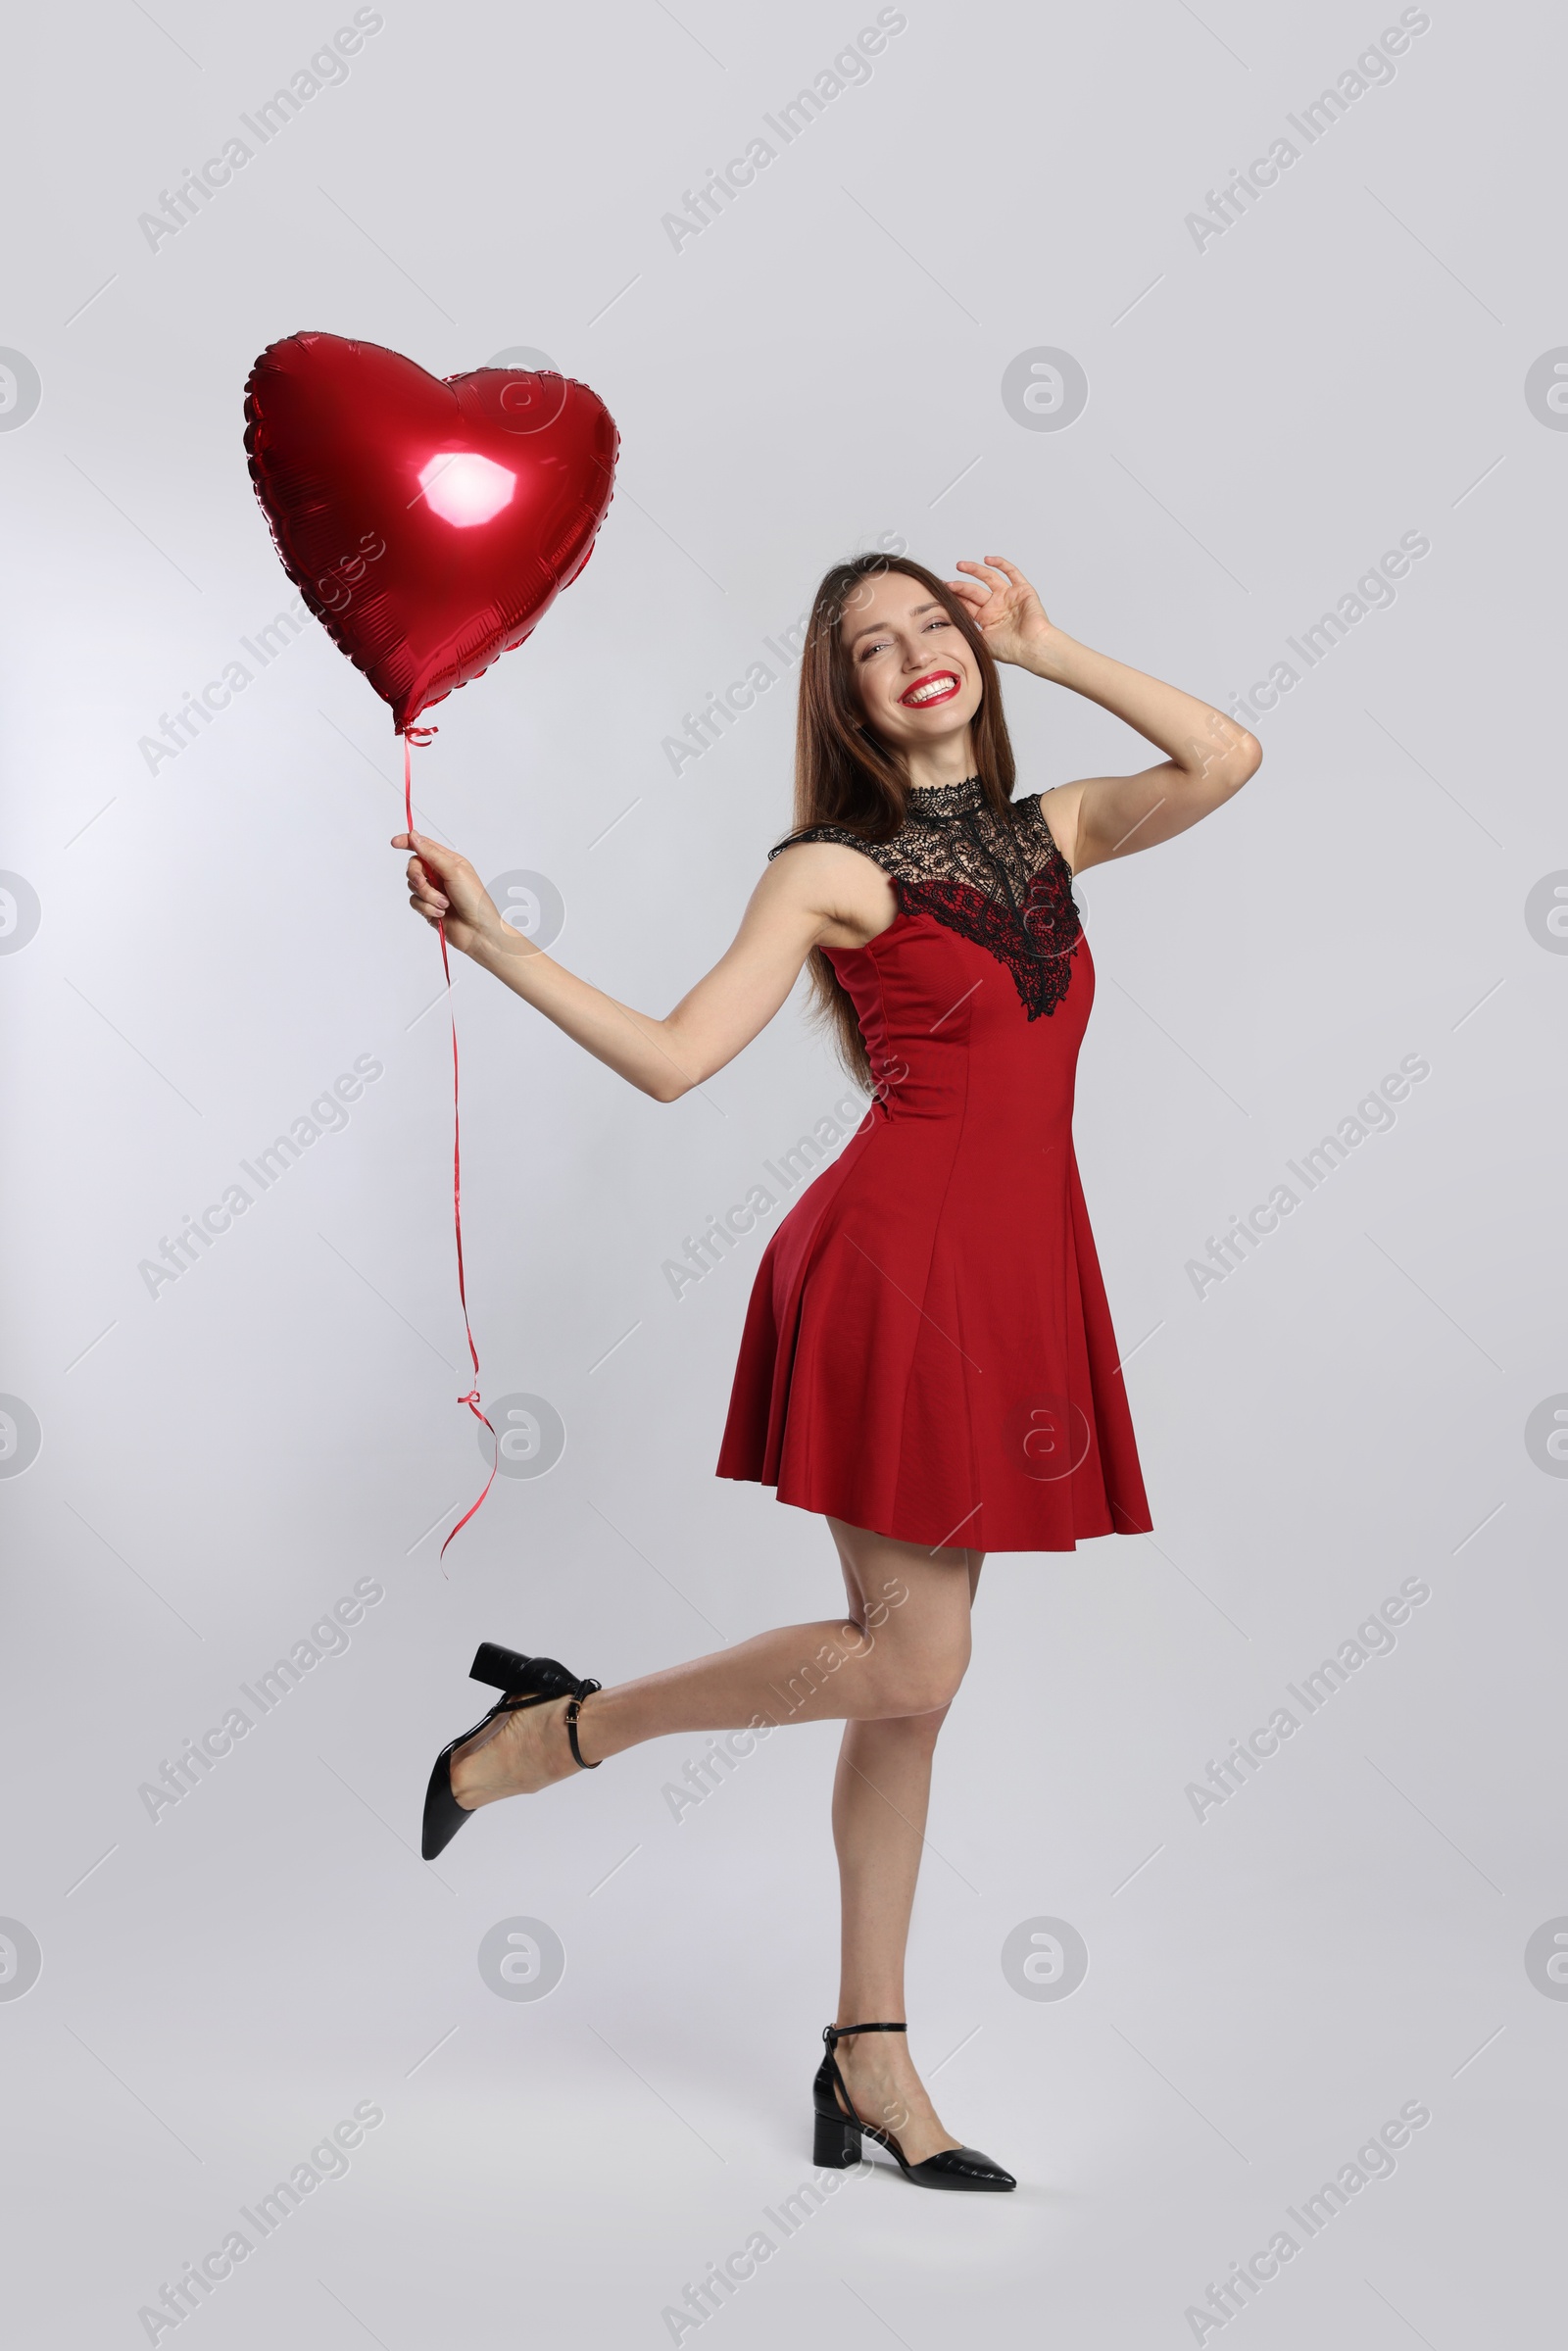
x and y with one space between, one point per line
926 1685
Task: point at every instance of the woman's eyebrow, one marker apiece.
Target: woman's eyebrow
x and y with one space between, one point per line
873 625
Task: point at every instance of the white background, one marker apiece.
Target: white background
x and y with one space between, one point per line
219 940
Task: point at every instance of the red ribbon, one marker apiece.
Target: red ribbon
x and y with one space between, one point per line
422 735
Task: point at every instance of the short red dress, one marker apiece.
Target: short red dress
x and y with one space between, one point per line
927 1352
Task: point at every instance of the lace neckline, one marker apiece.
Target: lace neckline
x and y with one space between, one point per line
930 802
996 877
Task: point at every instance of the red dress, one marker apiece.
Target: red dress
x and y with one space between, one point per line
928 1353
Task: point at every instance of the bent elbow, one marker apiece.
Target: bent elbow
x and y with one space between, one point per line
1244 760
680 1065
664 1072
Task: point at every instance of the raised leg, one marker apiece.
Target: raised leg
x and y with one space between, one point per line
888 1668
900 1650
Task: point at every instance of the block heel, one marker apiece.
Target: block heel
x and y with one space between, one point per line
528 1682
840 2132
836 2144
503 1669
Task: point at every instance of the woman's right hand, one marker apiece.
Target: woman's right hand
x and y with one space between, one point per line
444 888
819 887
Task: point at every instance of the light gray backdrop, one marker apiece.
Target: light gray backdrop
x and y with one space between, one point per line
859 348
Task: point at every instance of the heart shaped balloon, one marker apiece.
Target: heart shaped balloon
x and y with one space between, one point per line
429 523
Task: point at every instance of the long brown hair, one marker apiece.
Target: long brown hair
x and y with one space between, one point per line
846 775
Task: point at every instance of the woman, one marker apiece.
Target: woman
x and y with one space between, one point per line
928 1360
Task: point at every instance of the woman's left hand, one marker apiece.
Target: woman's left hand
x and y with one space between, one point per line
1005 609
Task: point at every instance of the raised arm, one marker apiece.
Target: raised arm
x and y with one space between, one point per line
1207 756
817 894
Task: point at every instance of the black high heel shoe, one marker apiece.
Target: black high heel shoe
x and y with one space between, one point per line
532 1682
839 2131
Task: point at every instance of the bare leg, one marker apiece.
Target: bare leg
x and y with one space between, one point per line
888 1668
901 1649
879 1810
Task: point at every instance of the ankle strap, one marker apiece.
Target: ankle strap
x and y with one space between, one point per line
833 2034
584 1689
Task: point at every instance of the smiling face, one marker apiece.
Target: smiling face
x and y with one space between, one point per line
911 668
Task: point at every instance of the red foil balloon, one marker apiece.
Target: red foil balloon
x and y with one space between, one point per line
430 525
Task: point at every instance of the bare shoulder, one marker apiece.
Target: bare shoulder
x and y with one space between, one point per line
1060 812
843 889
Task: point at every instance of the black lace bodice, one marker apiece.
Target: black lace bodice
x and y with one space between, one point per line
1001 881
